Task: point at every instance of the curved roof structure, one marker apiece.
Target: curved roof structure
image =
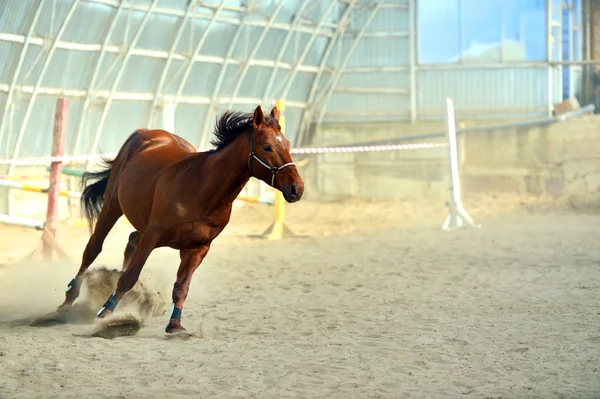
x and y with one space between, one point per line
123 64
120 61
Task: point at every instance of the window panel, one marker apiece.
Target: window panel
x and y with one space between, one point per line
438 30
453 31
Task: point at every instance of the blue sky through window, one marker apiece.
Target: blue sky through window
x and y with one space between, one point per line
476 30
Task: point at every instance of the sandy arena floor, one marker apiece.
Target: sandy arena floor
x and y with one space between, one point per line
376 302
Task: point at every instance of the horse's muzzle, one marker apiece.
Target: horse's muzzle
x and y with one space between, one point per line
293 192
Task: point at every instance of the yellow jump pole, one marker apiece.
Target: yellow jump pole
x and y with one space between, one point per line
18 185
278 229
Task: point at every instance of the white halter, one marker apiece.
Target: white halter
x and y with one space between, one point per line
273 169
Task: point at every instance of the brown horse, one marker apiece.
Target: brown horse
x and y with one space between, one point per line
177 197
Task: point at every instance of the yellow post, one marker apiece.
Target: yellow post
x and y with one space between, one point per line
277 230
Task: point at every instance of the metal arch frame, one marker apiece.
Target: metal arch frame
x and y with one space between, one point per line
136 96
143 52
196 53
295 23
17 72
222 72
412 57
313 91
167 66
246 65
338 72
205 15
304 53
118 79
192 61
88 95
370 89
49 57
128 24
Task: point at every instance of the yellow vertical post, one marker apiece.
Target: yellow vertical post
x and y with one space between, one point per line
278 228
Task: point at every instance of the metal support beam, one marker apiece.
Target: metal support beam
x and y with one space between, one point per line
88 96
307 117
142 52
412 57
190 65
338 73
559 67
306 27
259 41
213 101
10 128
137 96
571 52
549 54
374 69
309 43
117 80
163 75
284 46
38 84
372 89
17 72
379 35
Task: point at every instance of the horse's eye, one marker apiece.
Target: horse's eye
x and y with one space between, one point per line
267 148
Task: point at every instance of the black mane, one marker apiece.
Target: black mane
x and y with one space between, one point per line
231 124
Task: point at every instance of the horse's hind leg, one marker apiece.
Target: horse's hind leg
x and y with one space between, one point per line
134 239
109 215
147 242
190 260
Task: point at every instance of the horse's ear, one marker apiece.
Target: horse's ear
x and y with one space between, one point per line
275 114
258 117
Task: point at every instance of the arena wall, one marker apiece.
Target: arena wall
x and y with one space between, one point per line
561 159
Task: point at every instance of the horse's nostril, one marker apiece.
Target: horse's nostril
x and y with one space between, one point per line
294 190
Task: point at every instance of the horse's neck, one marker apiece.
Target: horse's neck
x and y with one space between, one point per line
230 171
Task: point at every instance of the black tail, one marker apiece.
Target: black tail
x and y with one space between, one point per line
92 196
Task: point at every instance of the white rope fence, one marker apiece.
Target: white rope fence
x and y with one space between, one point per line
34 161
457 217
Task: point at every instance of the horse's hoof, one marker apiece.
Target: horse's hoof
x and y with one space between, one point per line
104 313
176 330
64 307
180 334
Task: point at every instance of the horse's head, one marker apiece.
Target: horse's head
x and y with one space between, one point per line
270 159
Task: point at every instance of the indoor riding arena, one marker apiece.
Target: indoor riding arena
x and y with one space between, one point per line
406 203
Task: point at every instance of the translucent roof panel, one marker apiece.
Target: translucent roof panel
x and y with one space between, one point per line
120 62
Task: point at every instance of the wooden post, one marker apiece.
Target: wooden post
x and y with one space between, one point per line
49 242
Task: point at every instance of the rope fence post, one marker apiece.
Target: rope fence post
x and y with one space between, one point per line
49 243
278 229
457 216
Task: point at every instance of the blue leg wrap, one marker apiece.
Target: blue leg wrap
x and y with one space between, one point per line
175 314
110 304
72 284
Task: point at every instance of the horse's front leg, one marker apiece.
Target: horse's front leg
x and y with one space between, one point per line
190 260
109 215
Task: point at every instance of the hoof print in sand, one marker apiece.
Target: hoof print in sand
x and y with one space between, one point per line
76 314
50 319
119 325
